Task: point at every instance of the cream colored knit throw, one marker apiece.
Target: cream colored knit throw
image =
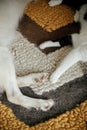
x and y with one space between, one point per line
29 59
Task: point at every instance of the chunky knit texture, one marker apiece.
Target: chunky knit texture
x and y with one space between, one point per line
29 59
72 120
50 18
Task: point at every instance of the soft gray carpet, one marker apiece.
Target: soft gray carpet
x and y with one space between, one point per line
66 97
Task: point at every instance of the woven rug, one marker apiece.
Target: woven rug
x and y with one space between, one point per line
69 93
72 92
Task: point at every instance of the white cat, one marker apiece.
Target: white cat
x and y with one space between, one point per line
79 53
10 13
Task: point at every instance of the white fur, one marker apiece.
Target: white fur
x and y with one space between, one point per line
79 53
76 16
48 44
55 2
10 13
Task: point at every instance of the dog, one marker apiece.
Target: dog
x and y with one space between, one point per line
11 12
79 53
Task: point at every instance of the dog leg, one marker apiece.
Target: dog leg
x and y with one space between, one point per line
8 81
72 58
32 79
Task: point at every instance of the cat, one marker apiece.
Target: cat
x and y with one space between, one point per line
79 53
11 12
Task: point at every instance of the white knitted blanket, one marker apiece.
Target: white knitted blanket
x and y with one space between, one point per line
29 59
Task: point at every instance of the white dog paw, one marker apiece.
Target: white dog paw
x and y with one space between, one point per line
76 16
41 77
32 79
28 102
55 2
45 105
53 78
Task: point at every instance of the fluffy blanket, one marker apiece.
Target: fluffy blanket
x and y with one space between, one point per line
69 93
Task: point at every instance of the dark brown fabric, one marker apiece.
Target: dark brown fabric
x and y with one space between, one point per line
65 41
37 35
75 3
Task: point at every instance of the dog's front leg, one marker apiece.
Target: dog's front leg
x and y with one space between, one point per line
32 79
72 58
9 84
